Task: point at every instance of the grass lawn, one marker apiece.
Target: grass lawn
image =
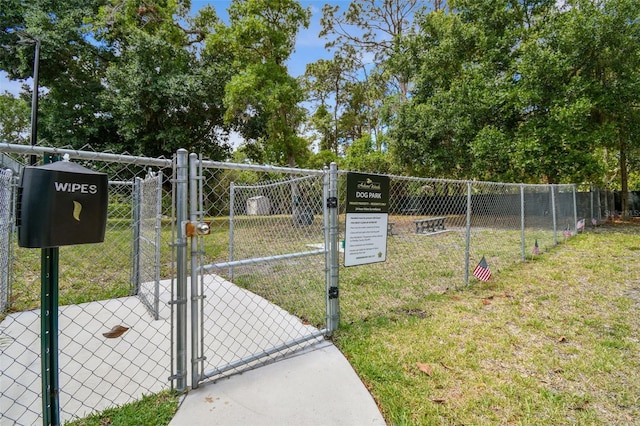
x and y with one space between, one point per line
547 342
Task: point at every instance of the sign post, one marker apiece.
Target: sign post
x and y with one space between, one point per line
367 219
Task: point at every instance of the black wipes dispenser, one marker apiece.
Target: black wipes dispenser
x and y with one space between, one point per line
60 204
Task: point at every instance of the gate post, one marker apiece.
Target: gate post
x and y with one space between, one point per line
135 252
331 244
194 177
181 270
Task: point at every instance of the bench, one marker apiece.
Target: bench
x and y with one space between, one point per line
430 224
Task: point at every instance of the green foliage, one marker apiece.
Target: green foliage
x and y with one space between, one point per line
122 75
14 119
321 159
362 156
259 39
528 92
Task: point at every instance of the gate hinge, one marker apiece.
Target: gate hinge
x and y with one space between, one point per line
332 202
333 292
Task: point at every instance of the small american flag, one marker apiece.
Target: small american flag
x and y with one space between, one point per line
536 249
580 224
566 232
594 221
482 271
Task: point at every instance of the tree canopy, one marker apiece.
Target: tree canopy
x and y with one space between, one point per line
528 91
503 90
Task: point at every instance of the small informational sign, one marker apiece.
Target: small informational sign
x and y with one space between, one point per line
367 219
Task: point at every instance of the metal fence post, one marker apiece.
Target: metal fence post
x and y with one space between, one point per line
135 249
332 249
467 236
49 330
158 236
181 271
575 209
195 297
553 212
522 224
232 194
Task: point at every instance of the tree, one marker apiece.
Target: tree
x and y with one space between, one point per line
123 75
162 91
14 119
261 98
521 91
362 156
71 66
326 83
371 27
602 43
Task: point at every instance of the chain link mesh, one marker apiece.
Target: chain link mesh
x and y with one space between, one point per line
99 367
436 225
147 236
260 273
6 226
267 239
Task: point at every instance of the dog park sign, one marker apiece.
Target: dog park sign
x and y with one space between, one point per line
367 219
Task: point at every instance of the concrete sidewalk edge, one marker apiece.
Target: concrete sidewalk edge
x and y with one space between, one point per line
317 386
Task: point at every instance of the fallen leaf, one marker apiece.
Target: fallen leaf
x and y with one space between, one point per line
438 400
485 302
445 366
425 368
562 339
454 297
116 331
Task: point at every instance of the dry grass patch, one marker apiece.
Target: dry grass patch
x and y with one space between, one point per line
546 342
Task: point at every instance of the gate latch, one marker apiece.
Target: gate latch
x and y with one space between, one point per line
333 292
195 229
332 202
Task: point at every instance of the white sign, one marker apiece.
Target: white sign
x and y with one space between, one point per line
365 238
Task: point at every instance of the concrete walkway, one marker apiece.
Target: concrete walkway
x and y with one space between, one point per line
314 387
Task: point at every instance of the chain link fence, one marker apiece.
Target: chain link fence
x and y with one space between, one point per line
258 280
6 226
439 230
147 240
102 290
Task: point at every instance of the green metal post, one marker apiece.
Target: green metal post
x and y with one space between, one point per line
49 336
49 261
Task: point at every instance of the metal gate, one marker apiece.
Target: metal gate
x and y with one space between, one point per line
6 223
260 270
147 218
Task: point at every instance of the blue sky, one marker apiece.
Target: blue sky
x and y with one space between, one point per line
309 47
